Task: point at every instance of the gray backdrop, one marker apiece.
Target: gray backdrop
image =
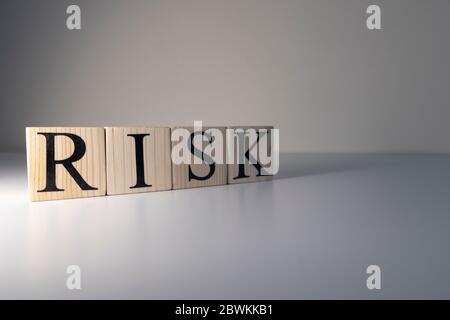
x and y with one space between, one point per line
309 67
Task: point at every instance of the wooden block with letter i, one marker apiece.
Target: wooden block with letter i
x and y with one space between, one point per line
65 163
245 145
138 159
195 171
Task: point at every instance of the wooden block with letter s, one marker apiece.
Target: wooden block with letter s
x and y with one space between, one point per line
240 143
138 159
192 175
65 162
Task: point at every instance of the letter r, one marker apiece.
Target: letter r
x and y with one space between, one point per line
78 153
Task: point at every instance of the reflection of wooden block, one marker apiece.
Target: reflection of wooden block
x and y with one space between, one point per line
66 163
138 160
245 171
193 175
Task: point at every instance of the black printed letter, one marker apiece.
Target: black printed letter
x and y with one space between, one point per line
78 153
257 165
201 155
139 145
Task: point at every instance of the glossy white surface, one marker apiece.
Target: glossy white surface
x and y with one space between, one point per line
310 233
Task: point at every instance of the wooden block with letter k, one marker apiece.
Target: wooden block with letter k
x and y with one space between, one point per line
246 147
65 163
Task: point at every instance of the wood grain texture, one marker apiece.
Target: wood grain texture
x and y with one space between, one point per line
91 166
249 169
180 172
121 159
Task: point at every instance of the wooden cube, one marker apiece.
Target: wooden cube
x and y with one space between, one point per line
65 163
199 175
244 171
138 160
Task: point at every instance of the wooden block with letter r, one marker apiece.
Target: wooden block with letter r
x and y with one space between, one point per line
138 159
190 174
65 163
244 145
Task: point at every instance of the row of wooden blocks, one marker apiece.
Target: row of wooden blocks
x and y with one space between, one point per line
78 162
